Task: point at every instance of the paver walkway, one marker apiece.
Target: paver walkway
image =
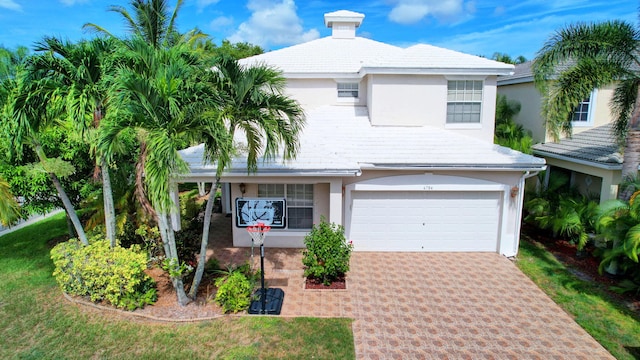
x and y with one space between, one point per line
434 306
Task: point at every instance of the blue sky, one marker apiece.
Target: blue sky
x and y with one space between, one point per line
479 27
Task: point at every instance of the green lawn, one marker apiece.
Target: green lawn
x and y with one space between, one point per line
37 323
609 322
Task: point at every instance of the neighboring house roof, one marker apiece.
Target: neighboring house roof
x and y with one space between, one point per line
523 73
595 147
356 57
339 140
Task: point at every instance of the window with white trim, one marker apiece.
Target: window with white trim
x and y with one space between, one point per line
581 112
299 202
348 90
464 101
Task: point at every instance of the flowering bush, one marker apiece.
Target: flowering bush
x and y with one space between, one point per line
327 255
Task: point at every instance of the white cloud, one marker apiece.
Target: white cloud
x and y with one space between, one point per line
72 2
10 4
221 22
204 3
273 22
412 11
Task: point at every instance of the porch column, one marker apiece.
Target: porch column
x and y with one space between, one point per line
608 189
335 201
175 211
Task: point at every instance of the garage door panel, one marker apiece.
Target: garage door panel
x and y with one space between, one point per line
425 221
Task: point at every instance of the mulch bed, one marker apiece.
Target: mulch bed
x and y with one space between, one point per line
316 284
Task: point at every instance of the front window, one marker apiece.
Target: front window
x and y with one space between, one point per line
464 101
348 90
299 202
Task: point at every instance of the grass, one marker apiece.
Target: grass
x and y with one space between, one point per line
37 323
609 322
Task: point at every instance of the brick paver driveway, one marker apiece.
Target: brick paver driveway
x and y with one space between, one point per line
429 305
439 305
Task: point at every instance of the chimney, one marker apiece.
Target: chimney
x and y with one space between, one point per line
343 23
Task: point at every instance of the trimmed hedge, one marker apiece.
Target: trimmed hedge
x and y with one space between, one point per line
102 273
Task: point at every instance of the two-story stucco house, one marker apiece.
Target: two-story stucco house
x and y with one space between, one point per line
398 148
591 155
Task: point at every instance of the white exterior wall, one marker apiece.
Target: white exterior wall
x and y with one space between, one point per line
324 204
410 100
313 93
329 196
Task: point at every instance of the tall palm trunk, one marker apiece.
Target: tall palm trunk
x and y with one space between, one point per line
109 208
64 198
140 193
197 277
171 252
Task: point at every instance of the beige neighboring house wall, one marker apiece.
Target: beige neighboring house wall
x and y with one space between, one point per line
530 105
530 115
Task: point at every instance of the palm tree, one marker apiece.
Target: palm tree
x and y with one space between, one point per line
152 22
506 58
169 99
582 57
253 102
81 70
31 106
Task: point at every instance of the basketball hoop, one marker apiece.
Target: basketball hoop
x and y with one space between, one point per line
258 232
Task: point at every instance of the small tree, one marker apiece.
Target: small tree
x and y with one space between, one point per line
327 255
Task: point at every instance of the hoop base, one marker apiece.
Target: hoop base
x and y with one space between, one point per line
273 306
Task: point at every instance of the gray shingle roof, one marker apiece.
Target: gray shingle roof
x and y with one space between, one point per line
597 146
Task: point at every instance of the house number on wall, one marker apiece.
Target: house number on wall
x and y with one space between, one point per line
427 187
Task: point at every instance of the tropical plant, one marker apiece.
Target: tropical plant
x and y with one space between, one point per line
234 292
327 253
81 70
564 212
253 102
507 132
168 98
618 225
506 58
582 57
9 207
31 106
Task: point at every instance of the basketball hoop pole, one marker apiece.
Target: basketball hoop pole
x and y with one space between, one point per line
263 291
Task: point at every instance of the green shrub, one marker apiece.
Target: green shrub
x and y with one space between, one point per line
234 292
115 275
327 255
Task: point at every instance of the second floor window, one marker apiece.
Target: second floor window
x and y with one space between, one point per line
464 101
348 90
581 113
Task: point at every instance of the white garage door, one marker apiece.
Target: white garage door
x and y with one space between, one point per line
425 221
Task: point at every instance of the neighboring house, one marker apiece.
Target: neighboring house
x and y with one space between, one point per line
398 148
590 156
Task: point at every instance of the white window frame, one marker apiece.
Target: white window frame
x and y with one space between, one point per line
590 111
288 192
465 99
350 87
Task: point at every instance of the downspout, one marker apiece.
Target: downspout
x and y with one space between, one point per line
523 178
